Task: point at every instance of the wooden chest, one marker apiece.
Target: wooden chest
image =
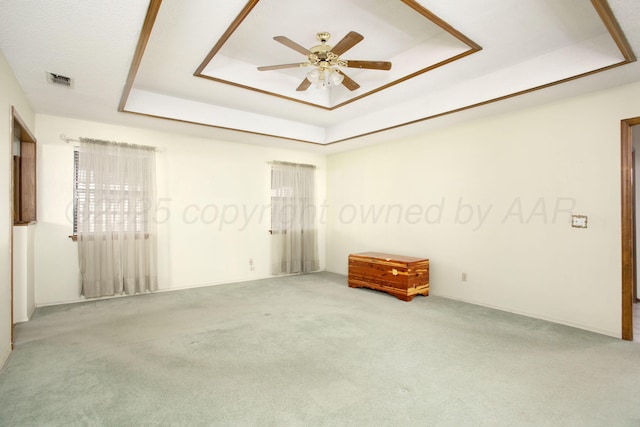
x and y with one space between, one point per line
401 276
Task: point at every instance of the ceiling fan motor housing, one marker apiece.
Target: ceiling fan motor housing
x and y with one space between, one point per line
323 37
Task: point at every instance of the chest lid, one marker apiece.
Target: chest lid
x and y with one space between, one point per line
380 256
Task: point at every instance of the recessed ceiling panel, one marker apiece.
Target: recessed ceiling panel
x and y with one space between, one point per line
401 32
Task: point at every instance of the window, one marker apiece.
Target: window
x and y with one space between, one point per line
294 247
118 201
114 192
281 198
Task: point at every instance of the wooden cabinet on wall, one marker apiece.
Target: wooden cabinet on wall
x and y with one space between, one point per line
24 174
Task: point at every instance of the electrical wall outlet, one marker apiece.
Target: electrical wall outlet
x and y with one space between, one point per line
464 277
252 266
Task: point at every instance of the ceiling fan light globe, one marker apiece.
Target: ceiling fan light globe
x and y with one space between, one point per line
313 75
336 78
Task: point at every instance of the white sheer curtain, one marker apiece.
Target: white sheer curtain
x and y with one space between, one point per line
293 218
116 236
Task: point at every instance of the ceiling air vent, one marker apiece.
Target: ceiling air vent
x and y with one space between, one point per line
58 79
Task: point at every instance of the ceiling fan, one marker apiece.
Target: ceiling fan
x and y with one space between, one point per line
326 61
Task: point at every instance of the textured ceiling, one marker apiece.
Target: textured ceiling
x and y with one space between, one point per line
435 77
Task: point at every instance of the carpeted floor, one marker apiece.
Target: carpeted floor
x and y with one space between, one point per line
636 322
309 351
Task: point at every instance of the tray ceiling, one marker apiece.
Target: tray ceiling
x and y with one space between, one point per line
195 62
425 43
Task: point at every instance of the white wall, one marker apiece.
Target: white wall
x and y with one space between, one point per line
23 272
10 95
213 213
492 198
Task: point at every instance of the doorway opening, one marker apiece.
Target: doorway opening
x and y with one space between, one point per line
630 129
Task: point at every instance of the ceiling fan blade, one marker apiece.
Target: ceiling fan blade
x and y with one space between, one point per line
348 82
281 66
291 44
371 65
349 41
304 85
